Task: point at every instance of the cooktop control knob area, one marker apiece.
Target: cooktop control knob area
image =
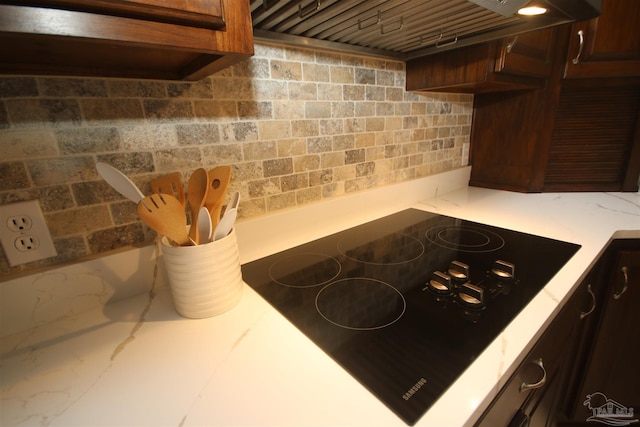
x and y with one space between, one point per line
472 290
503 270
471 296
440 283
459 271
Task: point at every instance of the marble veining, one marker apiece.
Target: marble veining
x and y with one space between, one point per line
132 335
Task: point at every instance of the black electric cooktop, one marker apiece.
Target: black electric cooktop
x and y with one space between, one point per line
407 302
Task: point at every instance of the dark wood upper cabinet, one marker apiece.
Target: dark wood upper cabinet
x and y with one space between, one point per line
520 62
561 138
129 39
573 134
607 46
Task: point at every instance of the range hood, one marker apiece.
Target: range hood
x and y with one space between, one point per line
405 29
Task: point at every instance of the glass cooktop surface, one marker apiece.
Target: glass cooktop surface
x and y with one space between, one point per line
407 302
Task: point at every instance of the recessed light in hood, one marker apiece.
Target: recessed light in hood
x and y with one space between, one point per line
532 10
503 7
405 29
509 7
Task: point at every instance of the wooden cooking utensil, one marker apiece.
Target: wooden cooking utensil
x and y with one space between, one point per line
197 190
219 179
165 214
169 184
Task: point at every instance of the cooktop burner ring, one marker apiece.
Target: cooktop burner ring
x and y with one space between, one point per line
288 271
412 249
465 238
360 304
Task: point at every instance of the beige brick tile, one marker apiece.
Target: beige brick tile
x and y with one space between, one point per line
332 159
292 147
28 144
341 74
307 163
274 129
260 150
305 128
303 91
285 70
308 195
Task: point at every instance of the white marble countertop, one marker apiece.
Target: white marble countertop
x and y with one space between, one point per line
135 362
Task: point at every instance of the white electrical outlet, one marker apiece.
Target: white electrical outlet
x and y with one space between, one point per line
465 154
24 233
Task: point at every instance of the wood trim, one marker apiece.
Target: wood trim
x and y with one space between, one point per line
630 182
204 14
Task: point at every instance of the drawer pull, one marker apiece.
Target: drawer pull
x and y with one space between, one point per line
576 60
625 273
593 303
524 386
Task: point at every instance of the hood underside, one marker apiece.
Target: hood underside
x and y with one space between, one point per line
405 29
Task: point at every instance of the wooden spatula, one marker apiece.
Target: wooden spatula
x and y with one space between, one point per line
165 214
219 179
169 184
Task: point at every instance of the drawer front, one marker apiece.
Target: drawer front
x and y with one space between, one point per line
541 364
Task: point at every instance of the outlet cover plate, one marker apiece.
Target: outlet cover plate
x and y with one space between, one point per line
30 226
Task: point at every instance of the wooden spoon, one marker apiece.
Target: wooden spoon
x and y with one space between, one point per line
165 214
197 190
219 179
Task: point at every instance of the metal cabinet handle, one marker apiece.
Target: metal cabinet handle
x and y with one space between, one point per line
308 9
576 60
374 20
449 43
511 44
524 386
593 303
625 273
395 26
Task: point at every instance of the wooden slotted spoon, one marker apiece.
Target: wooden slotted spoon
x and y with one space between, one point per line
165 214
169 184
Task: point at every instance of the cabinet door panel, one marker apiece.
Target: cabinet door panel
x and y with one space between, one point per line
610 43
528 54
195 13
592 139
509 64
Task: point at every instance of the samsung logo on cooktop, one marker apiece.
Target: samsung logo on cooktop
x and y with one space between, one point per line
413 390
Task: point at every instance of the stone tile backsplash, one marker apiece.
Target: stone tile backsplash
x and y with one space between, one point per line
296 125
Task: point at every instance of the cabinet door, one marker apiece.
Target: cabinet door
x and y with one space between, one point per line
613 368
528 54
502 65
594 137
607 46
195 13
